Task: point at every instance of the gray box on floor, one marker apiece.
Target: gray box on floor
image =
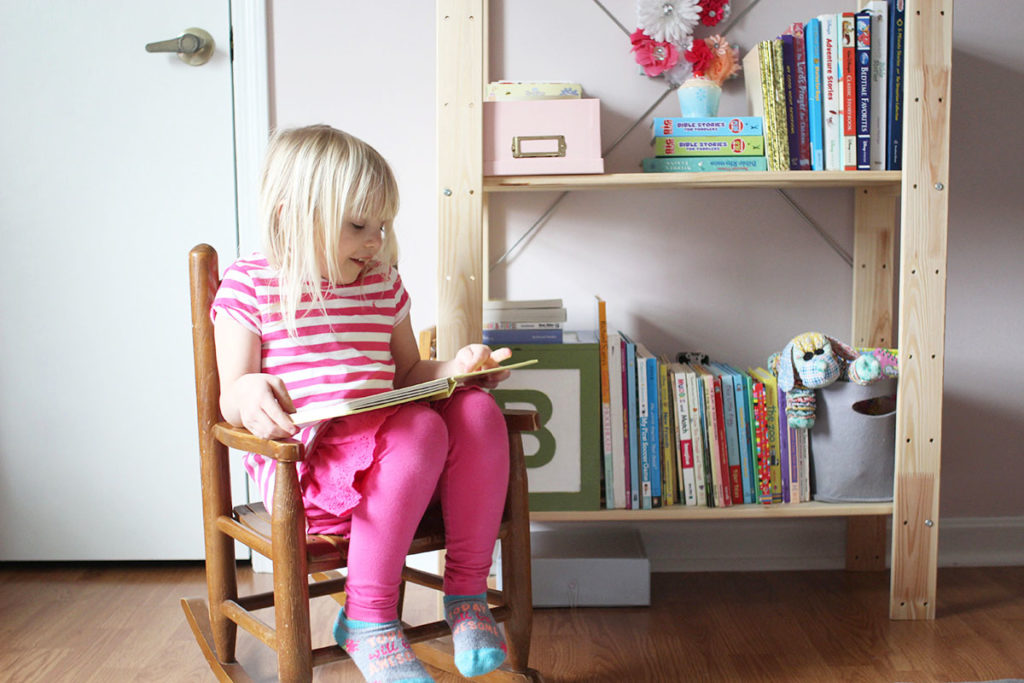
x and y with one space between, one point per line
589 568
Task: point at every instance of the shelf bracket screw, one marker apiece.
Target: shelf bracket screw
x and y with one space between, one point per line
447 192
939 186
929 522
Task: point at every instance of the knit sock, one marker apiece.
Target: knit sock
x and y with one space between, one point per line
380 651
479 645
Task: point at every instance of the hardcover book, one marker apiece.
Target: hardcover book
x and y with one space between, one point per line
812 41
766 97
897 36
862 28
847 32
832 98
443 387
879 81
801 96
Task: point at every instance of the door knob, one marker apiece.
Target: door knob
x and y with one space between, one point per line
194 46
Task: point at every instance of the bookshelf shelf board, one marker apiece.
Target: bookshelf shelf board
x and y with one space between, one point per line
711 180
676 513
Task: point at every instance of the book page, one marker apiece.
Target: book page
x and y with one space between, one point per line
430 390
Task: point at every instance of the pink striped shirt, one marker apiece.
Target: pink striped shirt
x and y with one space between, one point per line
342 350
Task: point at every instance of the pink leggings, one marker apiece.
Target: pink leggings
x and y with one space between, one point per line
455 451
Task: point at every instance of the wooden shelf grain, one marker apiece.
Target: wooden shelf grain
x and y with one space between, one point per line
682 512
708 180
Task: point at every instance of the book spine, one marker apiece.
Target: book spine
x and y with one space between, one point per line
702 164
789 88
523 337
849 89
879 81
863 38
693 390
897 38
643 422
669 459
606 405
532 90
710 145
654 430
784 434
617 414
802 102
779 103
723 446
764 459
667 127
743 437
523 326
687 485
524 315
812 41
633 439
832 105
776 142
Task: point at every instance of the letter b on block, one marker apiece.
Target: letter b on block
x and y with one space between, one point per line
539 401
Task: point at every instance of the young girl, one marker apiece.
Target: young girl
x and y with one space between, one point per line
322 315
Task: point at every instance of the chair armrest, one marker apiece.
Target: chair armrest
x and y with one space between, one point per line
282 450
519 420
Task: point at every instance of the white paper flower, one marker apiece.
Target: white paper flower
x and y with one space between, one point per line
668 20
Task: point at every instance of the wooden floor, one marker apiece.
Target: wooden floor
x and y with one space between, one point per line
119 623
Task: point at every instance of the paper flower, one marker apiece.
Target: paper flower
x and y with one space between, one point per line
713 11
653 55
670 21
713 59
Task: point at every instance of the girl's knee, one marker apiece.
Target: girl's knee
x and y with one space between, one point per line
474 407
418 429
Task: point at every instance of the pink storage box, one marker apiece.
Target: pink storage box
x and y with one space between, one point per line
537 137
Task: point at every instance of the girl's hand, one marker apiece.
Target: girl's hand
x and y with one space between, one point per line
263 405
480 357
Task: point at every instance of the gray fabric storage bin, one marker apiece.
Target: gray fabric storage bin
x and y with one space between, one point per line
853 443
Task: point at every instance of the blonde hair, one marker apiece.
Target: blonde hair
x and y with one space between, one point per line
313 178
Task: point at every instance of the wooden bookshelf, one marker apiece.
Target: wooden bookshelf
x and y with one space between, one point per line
693 181
918 194
683 512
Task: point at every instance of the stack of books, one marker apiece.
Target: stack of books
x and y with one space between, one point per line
831 91
532 321
717 143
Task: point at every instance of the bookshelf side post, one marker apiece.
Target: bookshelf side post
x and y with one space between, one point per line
461 35
922 308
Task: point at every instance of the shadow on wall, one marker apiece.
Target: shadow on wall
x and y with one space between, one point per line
983 455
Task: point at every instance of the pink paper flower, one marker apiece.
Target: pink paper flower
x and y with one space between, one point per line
654 56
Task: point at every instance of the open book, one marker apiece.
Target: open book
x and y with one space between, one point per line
431 390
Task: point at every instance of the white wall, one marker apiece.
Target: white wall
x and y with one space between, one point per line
735 273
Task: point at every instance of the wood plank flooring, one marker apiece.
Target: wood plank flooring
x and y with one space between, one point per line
113 623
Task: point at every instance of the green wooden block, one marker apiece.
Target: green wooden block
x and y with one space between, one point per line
563 458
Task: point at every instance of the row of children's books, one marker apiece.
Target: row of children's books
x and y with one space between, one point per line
688 431
830 90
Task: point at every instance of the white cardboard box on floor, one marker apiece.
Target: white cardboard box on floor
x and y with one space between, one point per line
579 567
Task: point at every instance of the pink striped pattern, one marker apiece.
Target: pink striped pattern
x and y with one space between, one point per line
341 351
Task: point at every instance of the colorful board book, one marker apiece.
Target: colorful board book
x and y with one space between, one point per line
702 164
710 145
714 125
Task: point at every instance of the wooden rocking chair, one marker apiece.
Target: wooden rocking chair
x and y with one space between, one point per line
282 537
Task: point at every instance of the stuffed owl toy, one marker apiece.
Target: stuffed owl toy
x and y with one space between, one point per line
812 361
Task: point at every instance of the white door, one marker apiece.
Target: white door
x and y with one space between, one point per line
114 162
